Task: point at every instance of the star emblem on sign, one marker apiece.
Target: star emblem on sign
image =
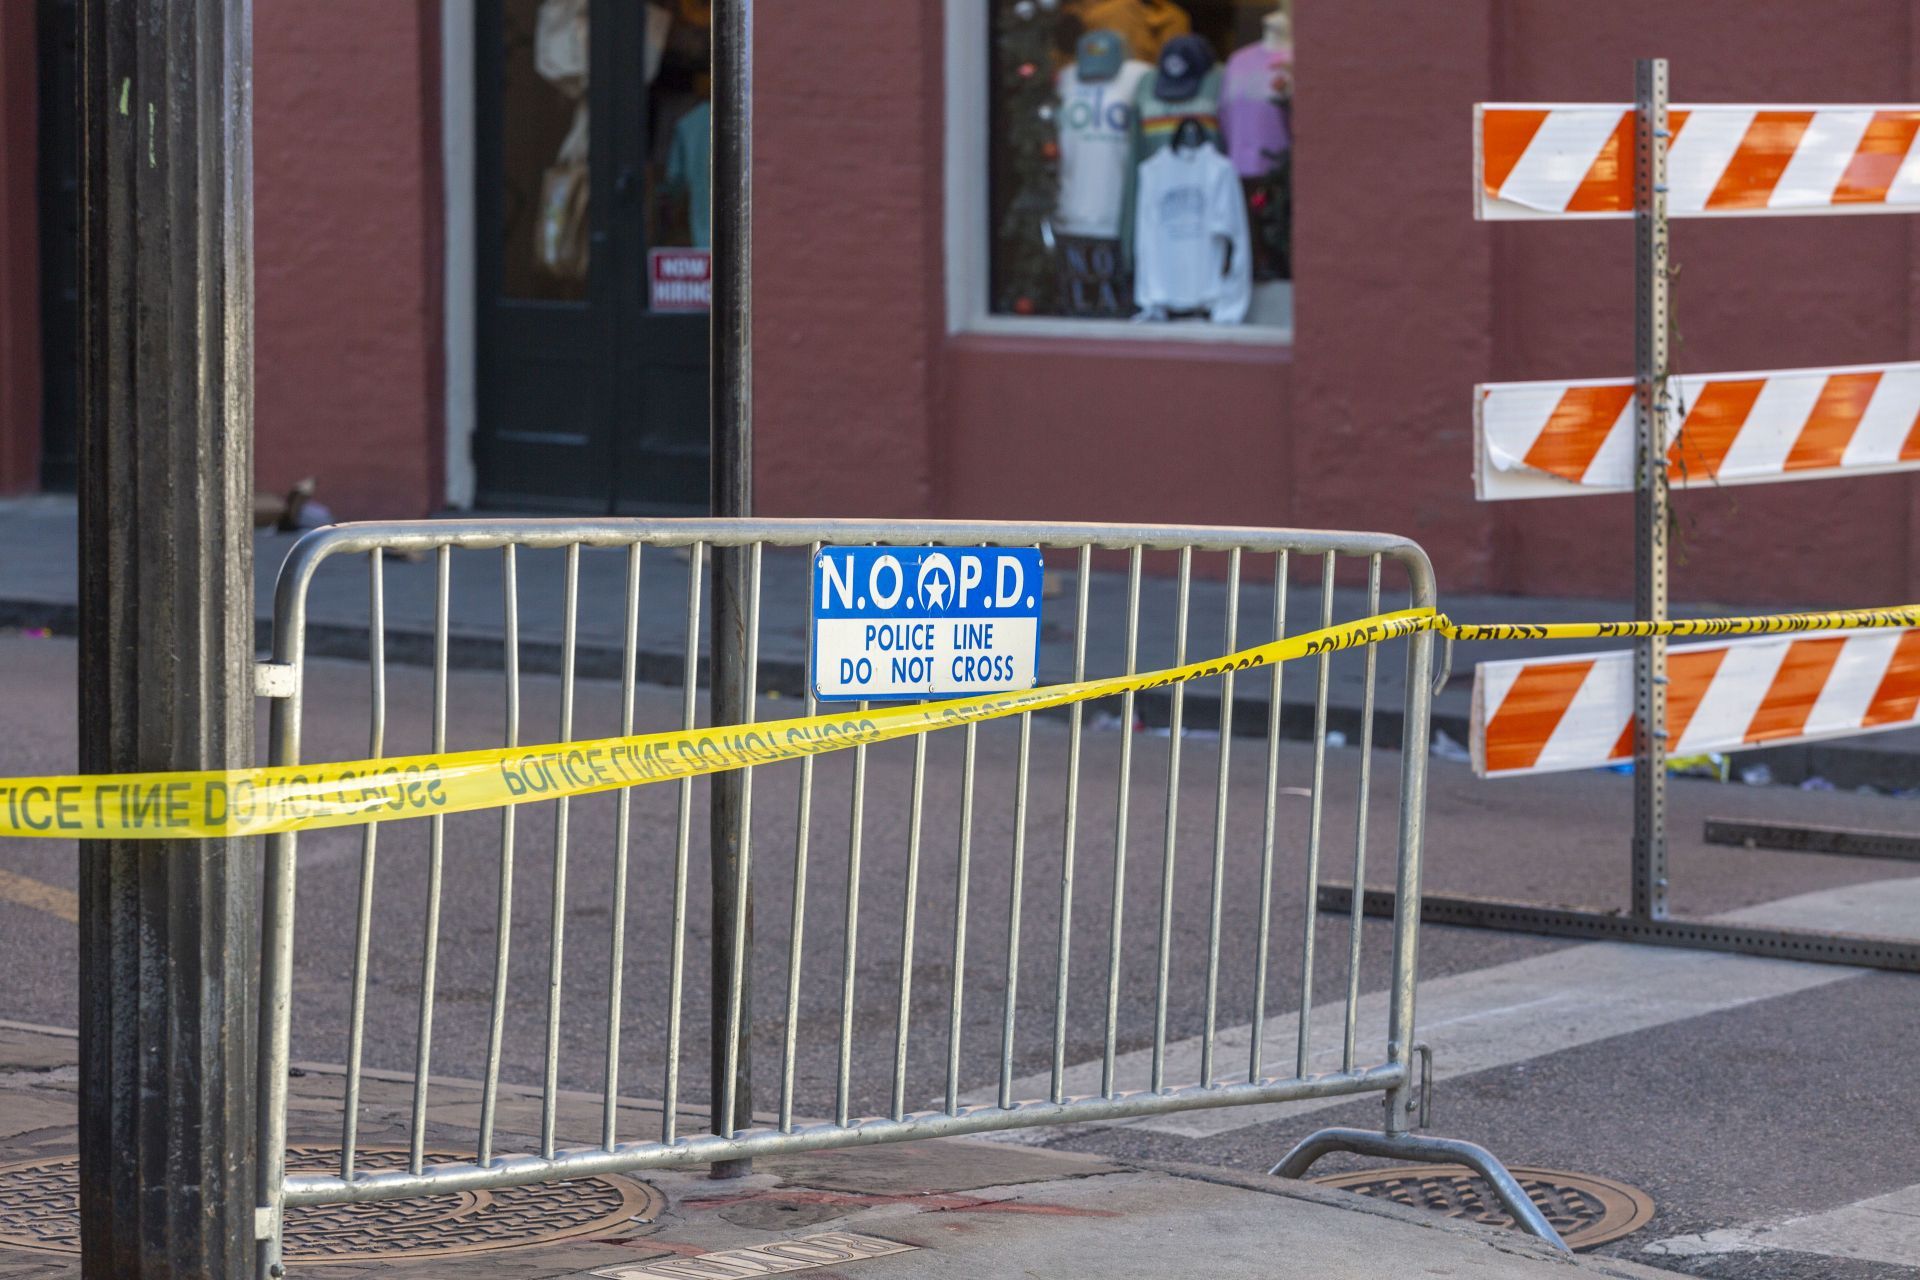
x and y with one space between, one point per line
936 581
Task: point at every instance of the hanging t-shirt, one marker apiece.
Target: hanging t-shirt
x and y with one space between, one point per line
1147 24
1251 120
1191 248
1155 121
1095 121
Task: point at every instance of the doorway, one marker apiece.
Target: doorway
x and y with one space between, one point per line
57 28
591 230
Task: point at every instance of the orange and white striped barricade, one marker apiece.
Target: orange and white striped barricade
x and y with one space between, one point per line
1560 439
1552 714
1651 161
1557 160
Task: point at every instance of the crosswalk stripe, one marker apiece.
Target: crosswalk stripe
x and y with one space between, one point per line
1884 1228
1524 1009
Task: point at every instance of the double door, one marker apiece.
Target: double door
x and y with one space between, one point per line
591 163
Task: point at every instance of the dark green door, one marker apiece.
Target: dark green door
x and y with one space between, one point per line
588 399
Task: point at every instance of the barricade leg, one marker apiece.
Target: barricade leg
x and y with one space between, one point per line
1411 1146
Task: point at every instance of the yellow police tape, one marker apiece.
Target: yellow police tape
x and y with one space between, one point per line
246 802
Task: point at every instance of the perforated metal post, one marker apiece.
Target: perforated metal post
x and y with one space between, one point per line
731 372
1650 489
166 678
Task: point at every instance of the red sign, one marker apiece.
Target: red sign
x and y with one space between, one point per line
679 279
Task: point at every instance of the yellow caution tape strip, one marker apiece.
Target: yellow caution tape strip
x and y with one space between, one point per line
1773 624
247 802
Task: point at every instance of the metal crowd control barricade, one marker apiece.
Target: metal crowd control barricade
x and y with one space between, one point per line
499 551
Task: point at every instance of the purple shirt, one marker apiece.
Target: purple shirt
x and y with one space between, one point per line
1250 116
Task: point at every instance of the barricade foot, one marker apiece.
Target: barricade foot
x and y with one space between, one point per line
1407 1146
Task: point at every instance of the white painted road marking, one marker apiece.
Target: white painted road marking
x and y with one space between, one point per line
1526 1009
50 898
803 1253
1881 1229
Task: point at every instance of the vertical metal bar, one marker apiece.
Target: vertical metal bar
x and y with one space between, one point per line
796 927
915 811
503 918
1401 1034
683 839
850 946
1264 932
1072 828
616 943
961 877
1220 821
1018 873
1120 830
1651 318
739 988
730 364
436 856
557 926
1171 839
1314 807
369 837
1360 826
167 1066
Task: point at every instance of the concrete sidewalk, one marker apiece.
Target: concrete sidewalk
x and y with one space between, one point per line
951 1208
38 589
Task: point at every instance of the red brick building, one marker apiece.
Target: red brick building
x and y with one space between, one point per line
411 358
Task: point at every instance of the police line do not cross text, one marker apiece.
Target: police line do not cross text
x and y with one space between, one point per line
892 623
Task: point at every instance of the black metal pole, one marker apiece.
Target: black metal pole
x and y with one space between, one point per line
731 372
167 1144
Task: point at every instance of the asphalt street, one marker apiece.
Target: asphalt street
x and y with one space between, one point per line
1740 1094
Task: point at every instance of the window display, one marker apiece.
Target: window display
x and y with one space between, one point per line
1140 154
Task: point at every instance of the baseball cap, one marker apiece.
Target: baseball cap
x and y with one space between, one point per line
1100 54
1184 63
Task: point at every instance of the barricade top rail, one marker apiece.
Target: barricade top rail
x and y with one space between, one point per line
622 531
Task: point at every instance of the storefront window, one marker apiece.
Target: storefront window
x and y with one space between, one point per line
1139 158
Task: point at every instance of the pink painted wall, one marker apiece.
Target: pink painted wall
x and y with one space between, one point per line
847 257
1404 302
1751 294
348 256
865 405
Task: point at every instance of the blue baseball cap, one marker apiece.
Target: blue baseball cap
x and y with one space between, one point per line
1184 64
1099 54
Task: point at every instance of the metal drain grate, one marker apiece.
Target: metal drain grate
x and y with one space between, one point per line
1586 1209
40 1209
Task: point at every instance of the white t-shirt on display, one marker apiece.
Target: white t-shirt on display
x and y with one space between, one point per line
1191 246
1094 119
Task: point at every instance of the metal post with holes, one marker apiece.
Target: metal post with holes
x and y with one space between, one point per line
166 681
1651 330
731 372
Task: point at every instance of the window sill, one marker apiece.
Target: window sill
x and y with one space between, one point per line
1188 331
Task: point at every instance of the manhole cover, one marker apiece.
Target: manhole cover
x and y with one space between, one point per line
40 1209
1585 1209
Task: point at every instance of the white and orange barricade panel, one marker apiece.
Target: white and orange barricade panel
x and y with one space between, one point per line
1554 160
1557 439
1547 715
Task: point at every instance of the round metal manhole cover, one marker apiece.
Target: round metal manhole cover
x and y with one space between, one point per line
1586 1209
40 1209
